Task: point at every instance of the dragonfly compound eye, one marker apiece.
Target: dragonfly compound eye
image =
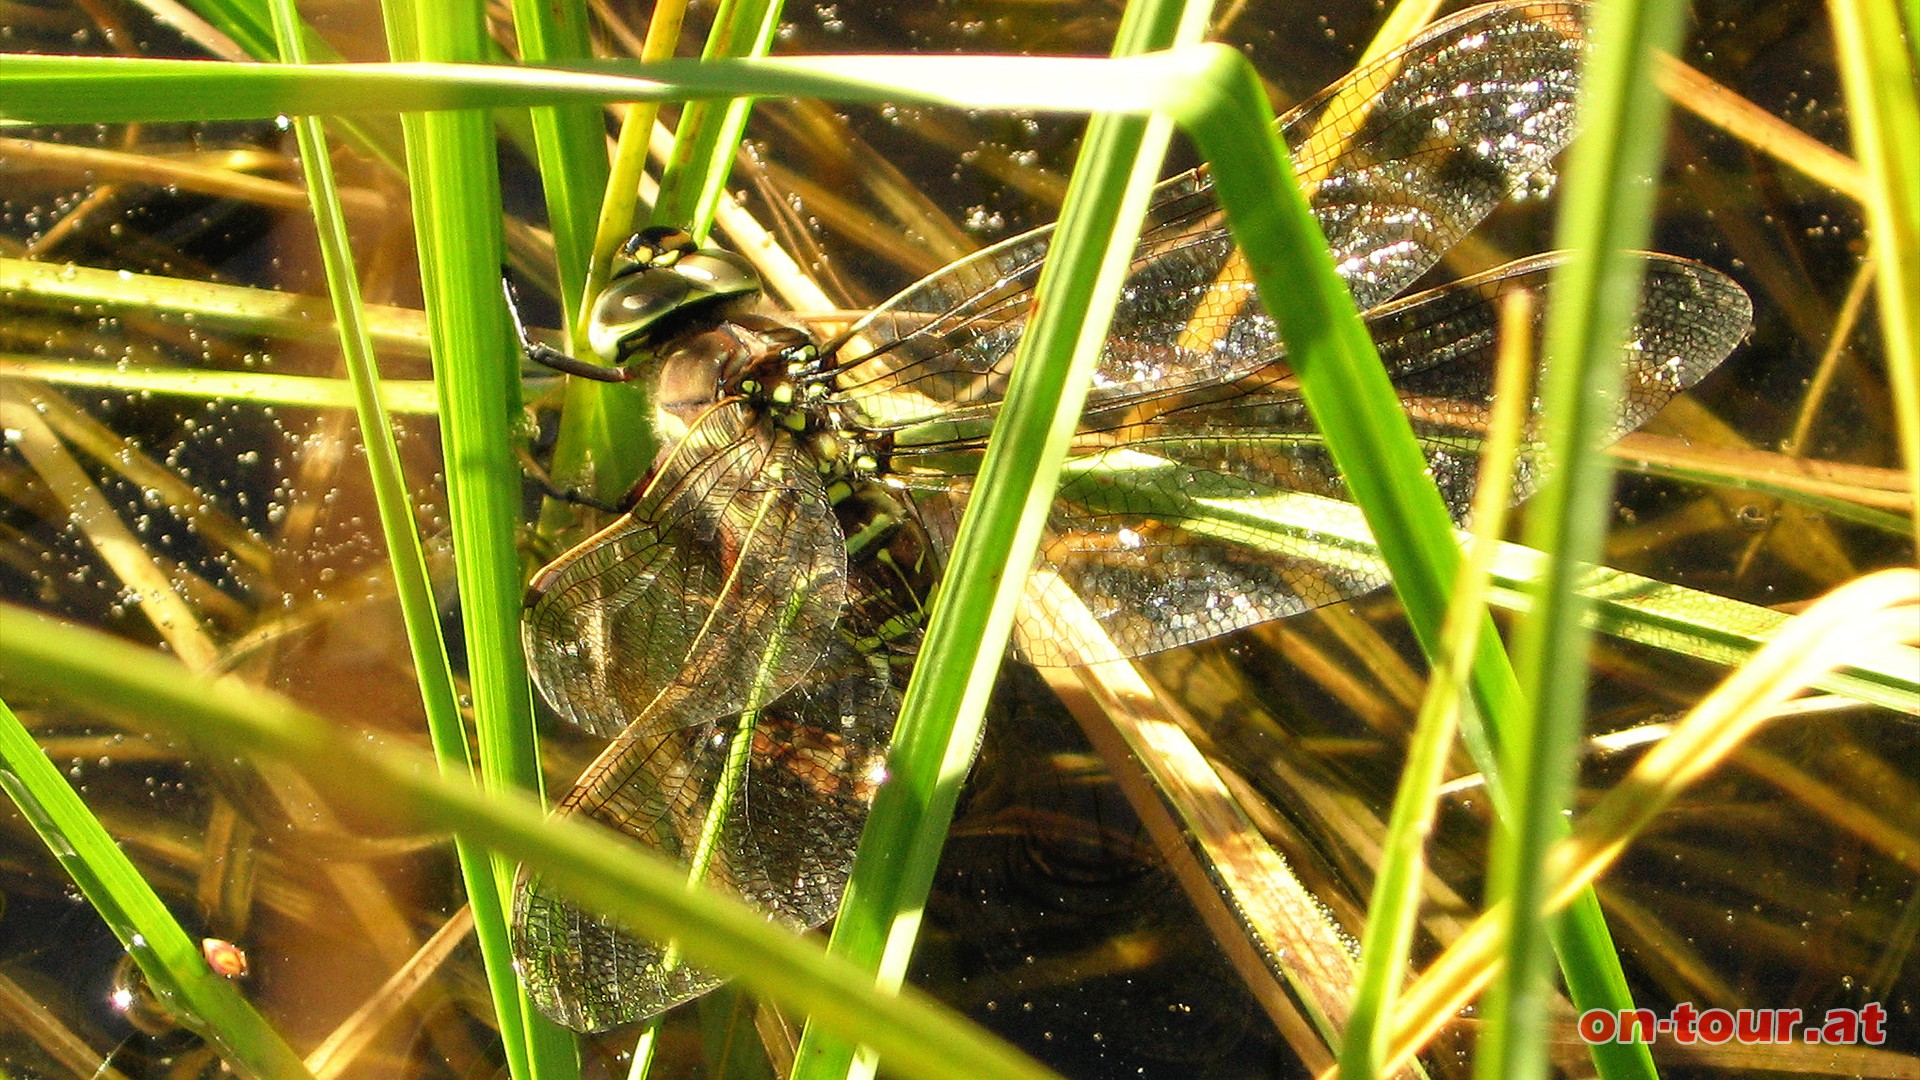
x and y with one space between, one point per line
657 246
652 300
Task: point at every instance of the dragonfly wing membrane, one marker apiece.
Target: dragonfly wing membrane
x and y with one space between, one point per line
724 580
712 599
1402 158
783 841
1222 509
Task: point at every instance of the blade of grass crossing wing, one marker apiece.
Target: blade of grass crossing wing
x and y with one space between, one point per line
1332 533
1368 434
971 620
1395 908
726 793
1608 201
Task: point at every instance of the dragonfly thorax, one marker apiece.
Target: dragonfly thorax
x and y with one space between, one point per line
776 370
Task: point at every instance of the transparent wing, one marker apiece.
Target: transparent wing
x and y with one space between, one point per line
723 582
1200 515
1404 157
783 842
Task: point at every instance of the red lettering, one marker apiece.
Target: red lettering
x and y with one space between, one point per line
1597 1026
1842 1026
1873 1023
1638 1026
1683 1020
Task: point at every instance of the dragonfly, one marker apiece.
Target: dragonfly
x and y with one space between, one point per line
742 631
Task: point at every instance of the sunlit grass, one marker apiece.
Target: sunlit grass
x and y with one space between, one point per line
1686 623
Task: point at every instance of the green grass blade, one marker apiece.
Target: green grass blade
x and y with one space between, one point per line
406 556
571 144
457 214
1878 72
708 135
592 451
618 210
68 89
1835 506
1346 389
1605 214
946 700
1706 627
594 866
1393 913
1370 440
170 960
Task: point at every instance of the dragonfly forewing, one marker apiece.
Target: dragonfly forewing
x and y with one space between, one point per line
1403 158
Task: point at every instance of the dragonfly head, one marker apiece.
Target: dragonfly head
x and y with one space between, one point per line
663 283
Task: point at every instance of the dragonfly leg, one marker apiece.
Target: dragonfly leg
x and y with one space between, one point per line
549 357
553 489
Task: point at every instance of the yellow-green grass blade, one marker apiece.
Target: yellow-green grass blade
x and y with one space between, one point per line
595 867
619 206
409 397
1393 912
1878 72
708 135
945 705
452 175
1604 217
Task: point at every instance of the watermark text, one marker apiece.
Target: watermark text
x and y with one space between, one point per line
1687 1025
